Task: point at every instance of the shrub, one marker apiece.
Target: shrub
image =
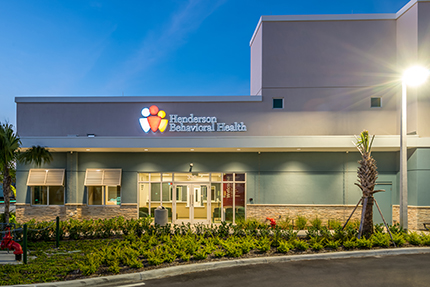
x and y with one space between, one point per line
219 253
263 245
200 254
186 257
396 228
114 267
364 243
247 245
312 232
90 265
425 239
349 244
284 223
332 244
334 224
317 246
381 239
316 223
284 247
413 238
301 245
399 239
378 228
301 222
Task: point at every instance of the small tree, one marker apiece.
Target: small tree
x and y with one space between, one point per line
367 174
9 154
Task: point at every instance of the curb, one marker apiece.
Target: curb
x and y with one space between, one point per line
199 267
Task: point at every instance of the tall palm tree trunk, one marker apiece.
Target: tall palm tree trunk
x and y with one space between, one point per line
7 181
368 217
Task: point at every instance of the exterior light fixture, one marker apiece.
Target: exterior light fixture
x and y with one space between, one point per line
191 167
91 135
413 77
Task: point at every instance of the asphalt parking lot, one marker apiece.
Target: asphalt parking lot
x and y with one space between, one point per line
400 270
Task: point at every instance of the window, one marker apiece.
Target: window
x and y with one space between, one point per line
104 195
47 186
375 102
103 186
278 103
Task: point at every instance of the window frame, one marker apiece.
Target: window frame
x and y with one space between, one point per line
104 195
108 177
380 103
47 195
277 108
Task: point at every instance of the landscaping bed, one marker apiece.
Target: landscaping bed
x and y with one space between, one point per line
142 246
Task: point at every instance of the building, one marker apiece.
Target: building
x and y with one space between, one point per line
284 150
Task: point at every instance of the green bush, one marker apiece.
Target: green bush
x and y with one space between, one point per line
399 239
381 239
334 224
284 223
301 245
284 247
201 254
425 239
263 244
219 253
396 228
316 223
317 246
364 243
301 222
332 244
349 244
413 238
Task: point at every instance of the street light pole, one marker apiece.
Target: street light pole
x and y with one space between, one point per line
414 76
403 162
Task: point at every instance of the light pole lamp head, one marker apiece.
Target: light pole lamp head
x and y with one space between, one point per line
415 76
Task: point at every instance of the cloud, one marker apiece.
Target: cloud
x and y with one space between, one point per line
159 44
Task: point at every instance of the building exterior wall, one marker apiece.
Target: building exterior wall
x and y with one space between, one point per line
310 212
27 212
294 178
298 159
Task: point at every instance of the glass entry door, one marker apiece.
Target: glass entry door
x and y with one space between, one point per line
192 203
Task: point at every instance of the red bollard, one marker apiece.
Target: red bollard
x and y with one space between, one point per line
8 243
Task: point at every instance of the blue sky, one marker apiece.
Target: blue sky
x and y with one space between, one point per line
139 48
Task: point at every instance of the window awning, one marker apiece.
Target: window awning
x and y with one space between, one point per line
45 177
110 177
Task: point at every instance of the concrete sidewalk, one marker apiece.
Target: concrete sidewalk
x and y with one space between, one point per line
8 257
140 277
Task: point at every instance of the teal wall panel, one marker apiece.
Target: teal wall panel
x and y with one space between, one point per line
277 177
129 187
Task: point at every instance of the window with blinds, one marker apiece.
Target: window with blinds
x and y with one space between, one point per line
46 177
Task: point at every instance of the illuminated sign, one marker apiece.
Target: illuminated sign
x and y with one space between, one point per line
154 119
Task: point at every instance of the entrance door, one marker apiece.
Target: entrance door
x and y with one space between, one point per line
384 201
192 203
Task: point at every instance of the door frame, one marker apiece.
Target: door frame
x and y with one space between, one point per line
191 200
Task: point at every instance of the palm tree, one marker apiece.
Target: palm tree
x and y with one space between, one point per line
367 174
10 153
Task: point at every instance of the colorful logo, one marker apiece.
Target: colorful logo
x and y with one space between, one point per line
153 119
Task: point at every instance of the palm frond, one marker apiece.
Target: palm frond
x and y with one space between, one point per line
36 154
